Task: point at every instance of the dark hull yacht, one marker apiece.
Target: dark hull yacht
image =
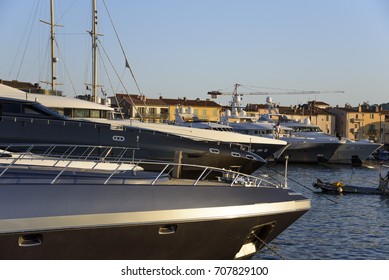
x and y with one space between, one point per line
147 216
30 122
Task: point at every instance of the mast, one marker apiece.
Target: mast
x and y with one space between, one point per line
94 52
53 58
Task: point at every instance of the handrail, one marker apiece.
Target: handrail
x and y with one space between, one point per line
49 152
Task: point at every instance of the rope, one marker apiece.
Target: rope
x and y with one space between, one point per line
117 74
27 44
121 46
66 68
127 65
306 187
268 246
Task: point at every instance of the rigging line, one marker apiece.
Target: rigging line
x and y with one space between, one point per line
109 79
21 41
115 96
66 69
121 82
121 78
25 49
121 46
67 10
44 63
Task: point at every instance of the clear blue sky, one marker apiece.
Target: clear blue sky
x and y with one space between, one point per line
187 48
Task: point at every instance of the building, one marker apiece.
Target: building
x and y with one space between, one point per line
362 122
29 87
139 107
204 109
384 128
163 109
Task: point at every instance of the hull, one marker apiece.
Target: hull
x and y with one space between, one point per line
138 222
309 152
354 153
339 188
262 146
144 144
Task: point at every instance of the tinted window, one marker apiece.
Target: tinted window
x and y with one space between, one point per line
28 109
10 108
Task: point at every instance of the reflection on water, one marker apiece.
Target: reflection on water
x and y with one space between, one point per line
348 226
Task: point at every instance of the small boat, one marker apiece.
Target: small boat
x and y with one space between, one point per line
339 187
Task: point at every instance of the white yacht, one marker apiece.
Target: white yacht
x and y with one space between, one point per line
349 152
301 149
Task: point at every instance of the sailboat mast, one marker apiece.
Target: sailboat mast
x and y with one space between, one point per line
53 58
94 52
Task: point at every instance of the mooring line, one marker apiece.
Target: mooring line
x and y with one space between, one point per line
269 247
306 187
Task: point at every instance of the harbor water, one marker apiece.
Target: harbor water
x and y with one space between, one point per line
346 226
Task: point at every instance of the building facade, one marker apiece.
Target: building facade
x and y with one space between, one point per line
163 109
362 122
384 128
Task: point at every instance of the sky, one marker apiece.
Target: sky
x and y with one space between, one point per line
180 49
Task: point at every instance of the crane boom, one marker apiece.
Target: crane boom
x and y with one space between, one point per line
215 93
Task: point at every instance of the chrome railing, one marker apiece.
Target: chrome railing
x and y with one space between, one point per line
61 158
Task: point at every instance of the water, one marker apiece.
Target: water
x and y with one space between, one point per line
348 226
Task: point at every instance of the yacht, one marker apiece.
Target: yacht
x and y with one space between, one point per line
348 152
300 149
260 146
187 118
26 121
66 212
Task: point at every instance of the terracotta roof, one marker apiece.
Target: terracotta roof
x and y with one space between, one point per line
355 110
19 85
303 111
190 102
138 100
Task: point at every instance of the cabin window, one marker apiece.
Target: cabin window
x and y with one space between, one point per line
68 112
33 111
81 113
10 108
94 113
59 110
